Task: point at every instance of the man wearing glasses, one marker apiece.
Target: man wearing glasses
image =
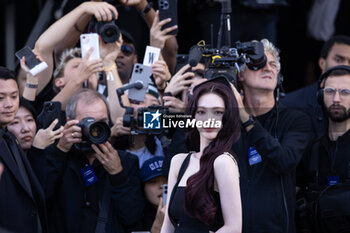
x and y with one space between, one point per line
326 160
127 57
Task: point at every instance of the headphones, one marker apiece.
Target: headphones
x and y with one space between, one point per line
324 76
279 91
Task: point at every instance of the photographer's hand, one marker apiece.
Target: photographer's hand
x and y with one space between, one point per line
109 51
157 35
86 69
178 82
243 114
101 10
71 135
108 157
174 104
158 221
29 93
45 137
118 129
161 74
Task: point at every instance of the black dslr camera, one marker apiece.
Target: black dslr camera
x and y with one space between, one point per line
226 61
109 31
93 132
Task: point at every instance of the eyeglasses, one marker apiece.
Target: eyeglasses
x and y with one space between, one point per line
127 50
331 92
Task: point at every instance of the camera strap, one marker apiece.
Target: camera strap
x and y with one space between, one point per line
103 206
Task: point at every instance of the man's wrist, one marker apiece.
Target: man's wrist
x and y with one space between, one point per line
248 124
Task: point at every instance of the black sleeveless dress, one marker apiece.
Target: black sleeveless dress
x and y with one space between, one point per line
182 222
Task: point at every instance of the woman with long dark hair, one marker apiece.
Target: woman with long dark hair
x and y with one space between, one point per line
204 184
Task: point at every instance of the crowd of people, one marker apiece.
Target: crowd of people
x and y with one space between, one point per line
268 164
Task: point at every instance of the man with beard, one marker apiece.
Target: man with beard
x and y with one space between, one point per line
326 160
335 52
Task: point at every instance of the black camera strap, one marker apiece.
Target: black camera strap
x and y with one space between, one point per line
313 167
103 206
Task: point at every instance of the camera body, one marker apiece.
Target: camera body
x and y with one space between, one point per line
108 30
226 61
93 132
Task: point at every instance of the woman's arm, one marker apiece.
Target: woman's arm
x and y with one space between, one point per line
227 177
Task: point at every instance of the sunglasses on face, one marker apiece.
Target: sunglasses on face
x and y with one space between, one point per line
127 50
331 92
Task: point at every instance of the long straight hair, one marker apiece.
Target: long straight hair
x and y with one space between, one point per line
199 191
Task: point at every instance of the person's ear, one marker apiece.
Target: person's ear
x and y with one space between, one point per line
135 59
240 77
322 64
59 82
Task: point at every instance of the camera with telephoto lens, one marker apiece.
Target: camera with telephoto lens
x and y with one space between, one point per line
108 30
225 62
93 132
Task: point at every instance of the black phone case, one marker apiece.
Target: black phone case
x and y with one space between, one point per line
50 112
168 9
31 60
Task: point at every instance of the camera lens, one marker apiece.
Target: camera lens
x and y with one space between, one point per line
110 32
99 132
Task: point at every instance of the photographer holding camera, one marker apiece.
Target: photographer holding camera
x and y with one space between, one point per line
91 188
271 146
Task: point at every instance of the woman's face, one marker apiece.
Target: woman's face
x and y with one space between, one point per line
23 127
153 189
210 109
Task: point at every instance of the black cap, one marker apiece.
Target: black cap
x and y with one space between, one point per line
127 37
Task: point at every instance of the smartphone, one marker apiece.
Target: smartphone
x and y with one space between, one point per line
168 9
181 61
87 41
35 65
140 73
165 193
51 110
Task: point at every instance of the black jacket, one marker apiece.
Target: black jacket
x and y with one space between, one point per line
18 208
305 100
280 137
66 191
333 160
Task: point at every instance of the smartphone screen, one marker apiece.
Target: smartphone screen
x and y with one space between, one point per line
35 65
87 41
140 73
165 193
168 9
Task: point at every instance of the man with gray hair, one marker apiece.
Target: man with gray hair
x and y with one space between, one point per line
91 188
269 149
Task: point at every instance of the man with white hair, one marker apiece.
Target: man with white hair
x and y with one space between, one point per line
271 146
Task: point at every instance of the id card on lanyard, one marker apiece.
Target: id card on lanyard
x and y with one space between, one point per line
254 156
89 175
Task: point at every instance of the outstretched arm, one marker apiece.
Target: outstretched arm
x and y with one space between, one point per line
62 28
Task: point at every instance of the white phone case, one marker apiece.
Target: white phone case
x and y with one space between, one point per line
87 41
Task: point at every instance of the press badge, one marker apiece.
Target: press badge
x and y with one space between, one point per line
332 180
253 156
89 175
